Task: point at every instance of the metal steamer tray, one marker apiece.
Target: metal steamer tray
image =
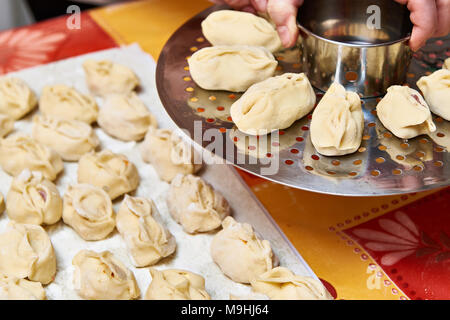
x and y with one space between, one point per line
383 165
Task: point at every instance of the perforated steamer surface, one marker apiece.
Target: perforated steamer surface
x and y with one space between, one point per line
383 164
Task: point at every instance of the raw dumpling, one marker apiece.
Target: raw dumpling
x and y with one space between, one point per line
111 171
16 98
169 154
88 210
273 104
71 139
2 204
436 90
104 77
281 284
67 103
125 117
195 204
13 288
20 152
100 276
173 284
337 122
232 68
146 239
405 113
26 252
33 199
6 125
229 27
446 64
239 253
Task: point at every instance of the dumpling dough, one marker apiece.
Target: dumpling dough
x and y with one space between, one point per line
101 276
281 284
20 152
232 68
26 252
6 125
405 113
229 27
125 117
88 210
173 284
71 139
337 122
446 64
273 104
111 171
67 103
239 253
436 90
105 77
33 199
195 204
169 154
146 239
16 98
13 288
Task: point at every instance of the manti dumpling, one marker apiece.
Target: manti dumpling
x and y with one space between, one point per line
26 252
6 125
101 276
71 139
104 77
146 239
67 103
337 122
16 98
169 154
281 284
229 27
173 284
231 68
446 64
239 253
405 113
436 91
195 205
111 171
19 152
273 104
13 288
125 117
88 210
33 199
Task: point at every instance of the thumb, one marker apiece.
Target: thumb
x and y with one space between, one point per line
284 15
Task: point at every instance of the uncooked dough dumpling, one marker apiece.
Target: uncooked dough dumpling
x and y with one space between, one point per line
19 152
16 98
273 104
88 210
174 284
195 205
436 90
146 239
229 27
169 154
71 139
446 64
104 77
33 199
111 171
125 117
101 276
337 122
231 68
239 253
13 288
26 252
6 125
405 113
281 284
67 103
